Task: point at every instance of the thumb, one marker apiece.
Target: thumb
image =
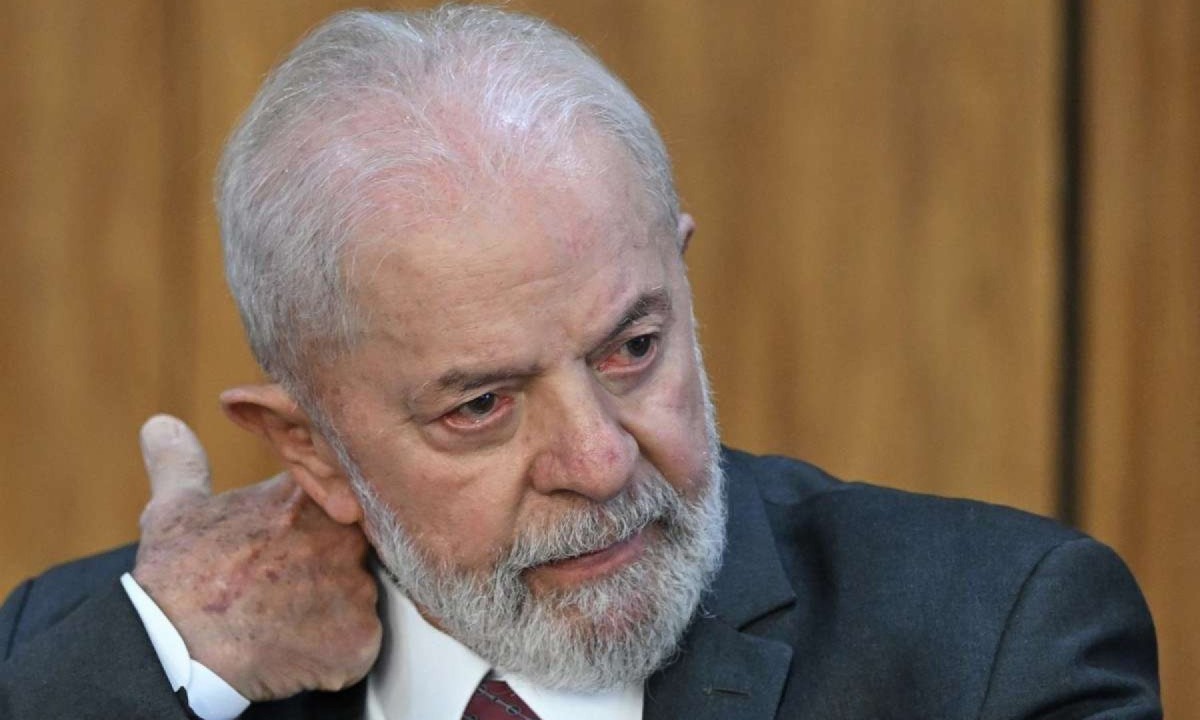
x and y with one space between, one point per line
175 460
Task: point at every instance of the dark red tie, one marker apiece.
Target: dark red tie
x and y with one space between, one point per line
495 700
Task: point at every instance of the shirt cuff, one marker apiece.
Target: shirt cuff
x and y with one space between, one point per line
209 697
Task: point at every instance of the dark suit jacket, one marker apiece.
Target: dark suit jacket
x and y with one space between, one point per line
835 601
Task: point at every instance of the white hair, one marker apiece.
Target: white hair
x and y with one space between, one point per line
373 112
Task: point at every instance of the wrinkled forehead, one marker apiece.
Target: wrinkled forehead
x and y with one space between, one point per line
503 262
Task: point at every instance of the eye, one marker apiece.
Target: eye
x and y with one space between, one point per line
640 346
476 412
481 406
632 355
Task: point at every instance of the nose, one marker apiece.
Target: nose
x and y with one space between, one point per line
585 448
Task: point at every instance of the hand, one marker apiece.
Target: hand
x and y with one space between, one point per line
266 590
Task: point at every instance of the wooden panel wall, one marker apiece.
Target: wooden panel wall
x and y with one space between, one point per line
84 227
1142 273
877 267
875 186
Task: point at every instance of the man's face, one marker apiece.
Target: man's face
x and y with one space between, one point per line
528 387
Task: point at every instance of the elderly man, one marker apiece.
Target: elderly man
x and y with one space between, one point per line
457 249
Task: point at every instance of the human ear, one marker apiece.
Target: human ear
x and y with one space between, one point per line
269 411
683 232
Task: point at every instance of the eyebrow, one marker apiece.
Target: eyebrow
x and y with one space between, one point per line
458 380
461 381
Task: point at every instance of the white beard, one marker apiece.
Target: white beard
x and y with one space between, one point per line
615 631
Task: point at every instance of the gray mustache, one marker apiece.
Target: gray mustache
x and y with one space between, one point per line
590 529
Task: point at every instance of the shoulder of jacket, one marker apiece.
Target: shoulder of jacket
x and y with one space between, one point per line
802 498
42 601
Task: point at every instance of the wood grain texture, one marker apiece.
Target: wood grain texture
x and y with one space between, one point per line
83 222
1142 247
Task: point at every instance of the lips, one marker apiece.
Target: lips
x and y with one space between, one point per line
591 565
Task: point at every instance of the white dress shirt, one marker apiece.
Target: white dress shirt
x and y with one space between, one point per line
424 674
209 697
421 674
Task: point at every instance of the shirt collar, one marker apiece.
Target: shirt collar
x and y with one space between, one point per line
421 672
425 674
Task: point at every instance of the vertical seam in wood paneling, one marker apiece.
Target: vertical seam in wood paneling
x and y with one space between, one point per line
1071 250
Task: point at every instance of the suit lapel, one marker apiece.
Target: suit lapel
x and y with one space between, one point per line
723 670
722 673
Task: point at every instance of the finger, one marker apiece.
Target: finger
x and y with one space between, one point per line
175 460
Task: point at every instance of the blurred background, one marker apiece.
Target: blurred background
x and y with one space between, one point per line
952 247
